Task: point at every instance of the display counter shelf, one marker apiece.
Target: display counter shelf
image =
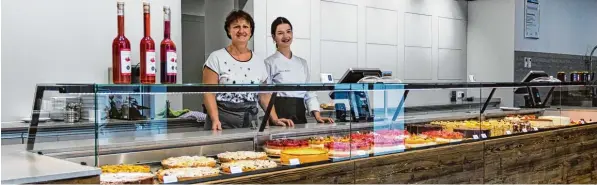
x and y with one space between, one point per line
392 143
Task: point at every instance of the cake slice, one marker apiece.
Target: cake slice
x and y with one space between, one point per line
185 174
188 162
249 165
126 178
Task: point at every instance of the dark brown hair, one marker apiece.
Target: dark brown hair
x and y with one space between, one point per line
236 15
278 21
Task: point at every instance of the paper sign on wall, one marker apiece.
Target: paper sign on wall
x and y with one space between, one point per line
531 22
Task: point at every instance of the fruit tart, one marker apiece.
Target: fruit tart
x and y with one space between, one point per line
416 141
443 136
275 147
319 142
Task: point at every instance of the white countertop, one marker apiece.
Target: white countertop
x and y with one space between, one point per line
21 167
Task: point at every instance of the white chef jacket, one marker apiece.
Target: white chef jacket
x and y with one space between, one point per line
282 70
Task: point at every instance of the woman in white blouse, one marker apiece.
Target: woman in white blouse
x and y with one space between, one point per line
236 64
284 68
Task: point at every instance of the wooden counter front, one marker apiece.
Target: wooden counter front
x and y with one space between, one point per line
563 156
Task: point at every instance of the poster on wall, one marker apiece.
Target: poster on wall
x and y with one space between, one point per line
531 24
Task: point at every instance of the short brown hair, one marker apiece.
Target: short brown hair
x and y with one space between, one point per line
236 15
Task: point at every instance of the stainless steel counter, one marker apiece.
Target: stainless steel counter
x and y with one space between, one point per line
21 167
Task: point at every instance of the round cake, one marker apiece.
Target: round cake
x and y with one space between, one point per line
418 141
275 147
347 149
304 155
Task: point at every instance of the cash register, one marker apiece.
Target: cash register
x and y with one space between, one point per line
354 105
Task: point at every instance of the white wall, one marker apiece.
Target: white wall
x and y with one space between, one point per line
566 27
490 43
418 40
68 41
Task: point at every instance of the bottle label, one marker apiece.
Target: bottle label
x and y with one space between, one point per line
150 63
171 64
125 62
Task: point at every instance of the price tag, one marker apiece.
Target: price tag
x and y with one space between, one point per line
170 179
524 130
475 137
235 169
508 132
535 128
484 136
361 152
295 161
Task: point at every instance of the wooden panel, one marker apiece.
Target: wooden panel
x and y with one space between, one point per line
562 156
335 173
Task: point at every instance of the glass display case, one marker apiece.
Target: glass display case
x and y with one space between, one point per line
147 130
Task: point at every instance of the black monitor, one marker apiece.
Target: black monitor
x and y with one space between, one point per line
354 75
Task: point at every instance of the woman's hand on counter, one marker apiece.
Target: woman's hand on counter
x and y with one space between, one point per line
324 120
284 122
321 119
216 125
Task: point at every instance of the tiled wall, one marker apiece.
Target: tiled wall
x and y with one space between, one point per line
551 63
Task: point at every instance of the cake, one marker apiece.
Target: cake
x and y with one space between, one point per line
185 174
125 168
557 120
305 155
319 142
470 132
249 165
443 136
347 149
541 123
126 178
188 162
417 141
420 128
275 147
241 155
387 144
392 134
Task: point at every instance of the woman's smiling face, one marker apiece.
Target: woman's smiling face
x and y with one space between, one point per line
240 31
283 35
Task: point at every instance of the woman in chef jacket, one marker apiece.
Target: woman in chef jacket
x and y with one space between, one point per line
236 64
284 68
